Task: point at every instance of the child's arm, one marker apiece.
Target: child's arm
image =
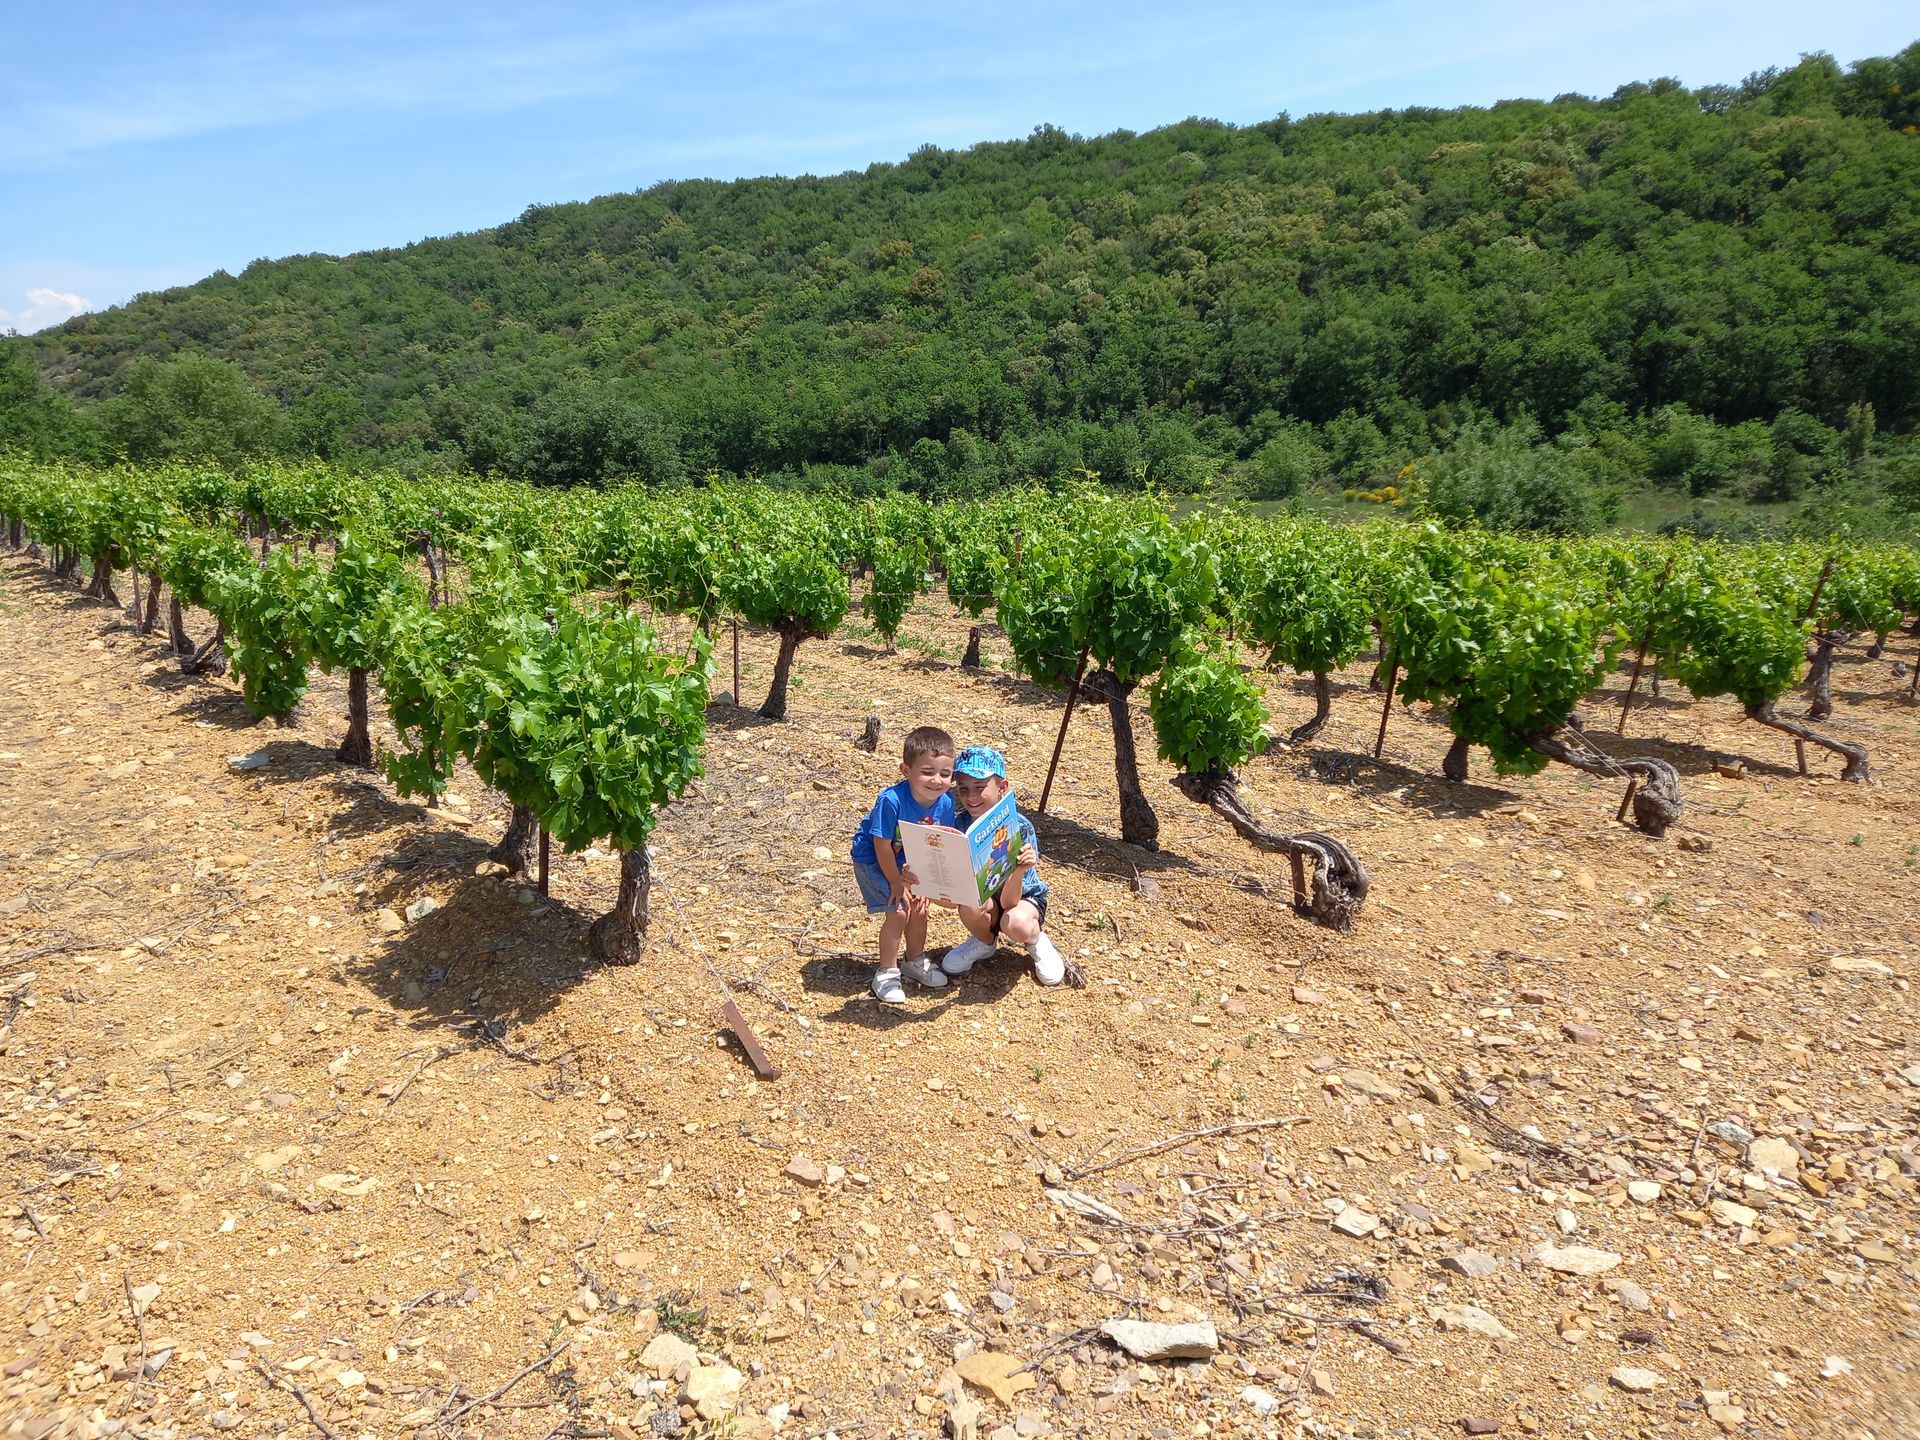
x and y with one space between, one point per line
901 881
1010 887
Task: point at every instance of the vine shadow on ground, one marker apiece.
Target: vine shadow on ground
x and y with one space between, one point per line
521 954
1378 779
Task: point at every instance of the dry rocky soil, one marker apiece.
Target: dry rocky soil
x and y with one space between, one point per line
314 1127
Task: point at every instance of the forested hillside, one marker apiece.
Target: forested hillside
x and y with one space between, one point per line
1266 304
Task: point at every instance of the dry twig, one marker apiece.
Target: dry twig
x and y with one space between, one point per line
1185 1137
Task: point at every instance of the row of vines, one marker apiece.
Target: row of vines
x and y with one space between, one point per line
503 627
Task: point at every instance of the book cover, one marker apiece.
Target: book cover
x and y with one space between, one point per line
964 868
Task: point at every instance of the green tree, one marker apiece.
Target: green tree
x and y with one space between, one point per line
194 407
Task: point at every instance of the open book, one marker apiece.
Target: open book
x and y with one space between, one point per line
964 868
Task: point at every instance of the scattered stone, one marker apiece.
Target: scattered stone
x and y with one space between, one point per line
1566 1221
1727 1417
420 909
1630 1295
1578 1259
1581 1034
712 1390
1321 1382
1858 965
1264 1402
997 1373
1834 1366
1727 1212
1479 1425
666 1353
1731 1131
1637 1381
1368 1083
257 760
805 1171
1474 1264
390 922
1771 1155
1470 1318
1698 844
1643 1192
1145 1340
1303 996
1356 1222
268 1161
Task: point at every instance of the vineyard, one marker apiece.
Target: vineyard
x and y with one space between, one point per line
500 623
563 671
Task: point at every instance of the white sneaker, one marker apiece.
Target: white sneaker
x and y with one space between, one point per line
923 971
968 953
887 988
1049 965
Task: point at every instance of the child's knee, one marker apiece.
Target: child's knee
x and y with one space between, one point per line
1021 923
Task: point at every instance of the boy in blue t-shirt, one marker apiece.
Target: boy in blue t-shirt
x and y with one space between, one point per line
1019 912
879 865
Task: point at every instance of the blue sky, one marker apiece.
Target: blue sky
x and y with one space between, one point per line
146 145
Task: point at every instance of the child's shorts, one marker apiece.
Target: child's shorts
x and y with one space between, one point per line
874 888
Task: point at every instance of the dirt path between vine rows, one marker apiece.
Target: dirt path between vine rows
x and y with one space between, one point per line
290 1149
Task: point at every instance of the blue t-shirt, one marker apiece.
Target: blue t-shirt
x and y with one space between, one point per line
1032 887
896 807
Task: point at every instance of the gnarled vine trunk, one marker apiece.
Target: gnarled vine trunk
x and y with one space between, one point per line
776 706
1454 766
67 563
971 660
1820 673
210 658
517 847
100 586
1138 824
357 748
1854 755
1657 801
620 936
1322 710
177 627
1339 884
150 616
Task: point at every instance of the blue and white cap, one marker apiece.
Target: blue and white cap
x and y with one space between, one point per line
977 762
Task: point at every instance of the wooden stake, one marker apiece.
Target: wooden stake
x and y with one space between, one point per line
1393 676
749 1042
736 663
1800 753
1633 784
1060 740
546 842
1299 879
1640 658
1820 585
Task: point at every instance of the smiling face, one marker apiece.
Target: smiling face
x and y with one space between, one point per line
976 796
928 777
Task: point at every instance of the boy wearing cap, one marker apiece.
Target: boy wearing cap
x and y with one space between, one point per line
920 797
1018 913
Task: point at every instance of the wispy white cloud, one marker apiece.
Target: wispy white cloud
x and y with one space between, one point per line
357 66
43 308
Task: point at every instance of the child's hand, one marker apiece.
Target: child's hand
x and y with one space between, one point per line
1028 859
